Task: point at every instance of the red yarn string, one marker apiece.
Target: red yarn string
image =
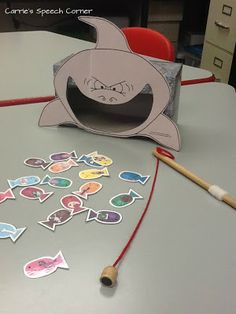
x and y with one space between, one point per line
123 252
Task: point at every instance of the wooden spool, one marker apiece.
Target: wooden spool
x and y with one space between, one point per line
109 276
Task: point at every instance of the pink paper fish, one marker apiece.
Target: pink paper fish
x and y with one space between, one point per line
34 193
74 203
8 194
45 266
62 166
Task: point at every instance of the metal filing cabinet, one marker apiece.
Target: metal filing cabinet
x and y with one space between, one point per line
220 38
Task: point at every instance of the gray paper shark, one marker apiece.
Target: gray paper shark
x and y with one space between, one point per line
111 76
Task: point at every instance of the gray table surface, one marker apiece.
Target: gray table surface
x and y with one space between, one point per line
184 256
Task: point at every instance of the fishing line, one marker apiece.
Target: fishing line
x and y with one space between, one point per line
110 273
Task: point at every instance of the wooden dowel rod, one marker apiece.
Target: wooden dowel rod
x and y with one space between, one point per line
229 200
170 162
201 182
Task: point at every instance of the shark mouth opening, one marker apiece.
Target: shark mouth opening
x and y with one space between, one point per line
109 118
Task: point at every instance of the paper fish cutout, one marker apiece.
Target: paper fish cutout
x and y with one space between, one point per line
132 176
73 203
63 156
88 189
7 195
125 199
45 266
88 160
110 77
24 181
56 182
10 231
34 193
37 163
56 218
94 173
104 216
62 166
101 159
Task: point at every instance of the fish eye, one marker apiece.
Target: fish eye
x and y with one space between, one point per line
99 85
117 88
102 216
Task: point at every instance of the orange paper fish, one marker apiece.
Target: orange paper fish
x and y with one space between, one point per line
62 166
88 189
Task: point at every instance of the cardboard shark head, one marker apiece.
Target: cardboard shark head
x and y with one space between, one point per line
111 76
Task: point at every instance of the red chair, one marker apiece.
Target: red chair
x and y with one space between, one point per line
149 42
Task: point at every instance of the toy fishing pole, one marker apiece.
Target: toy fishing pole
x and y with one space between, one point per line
213 189
109 275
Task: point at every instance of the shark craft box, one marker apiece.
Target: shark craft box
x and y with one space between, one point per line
112 91
170 70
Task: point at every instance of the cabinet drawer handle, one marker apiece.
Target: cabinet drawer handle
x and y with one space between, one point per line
221 25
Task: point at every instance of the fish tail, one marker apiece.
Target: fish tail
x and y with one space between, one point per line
45 165
93 153
72 163
45 180
78 210
80 194
134 194
12 183
73 154
49 224
83 196
17 234
44 196
60 261
81 158
91 215
9 194
143 179
106 172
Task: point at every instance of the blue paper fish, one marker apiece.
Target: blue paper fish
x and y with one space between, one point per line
88 160
23 181
133 177
10 231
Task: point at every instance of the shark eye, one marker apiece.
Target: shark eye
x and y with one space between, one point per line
117 88
99 85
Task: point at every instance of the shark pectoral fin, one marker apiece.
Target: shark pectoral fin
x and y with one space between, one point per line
164 131
54 113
